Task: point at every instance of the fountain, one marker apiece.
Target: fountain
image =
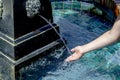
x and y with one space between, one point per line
24 35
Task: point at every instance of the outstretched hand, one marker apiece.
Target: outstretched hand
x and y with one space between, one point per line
76 55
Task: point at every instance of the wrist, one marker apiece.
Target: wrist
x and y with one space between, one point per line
85 49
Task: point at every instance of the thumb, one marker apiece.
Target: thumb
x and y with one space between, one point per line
73 50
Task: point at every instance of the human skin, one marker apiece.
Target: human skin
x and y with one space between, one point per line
107 38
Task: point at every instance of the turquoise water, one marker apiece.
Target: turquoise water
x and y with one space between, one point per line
78 26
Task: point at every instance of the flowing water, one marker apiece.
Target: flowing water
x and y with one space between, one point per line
78 27
56 32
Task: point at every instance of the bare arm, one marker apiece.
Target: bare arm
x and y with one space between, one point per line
107 38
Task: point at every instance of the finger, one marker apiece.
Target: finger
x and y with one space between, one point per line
70 58
73 50
67 60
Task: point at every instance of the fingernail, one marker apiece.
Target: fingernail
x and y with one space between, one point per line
72 50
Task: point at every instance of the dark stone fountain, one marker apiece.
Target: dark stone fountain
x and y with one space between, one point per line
24 35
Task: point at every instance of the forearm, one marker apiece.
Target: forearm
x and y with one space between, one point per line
104 40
